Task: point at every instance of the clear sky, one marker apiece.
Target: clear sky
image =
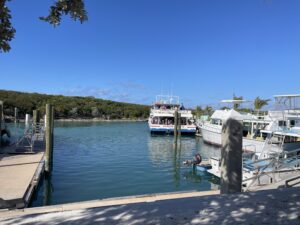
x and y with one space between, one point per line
131 50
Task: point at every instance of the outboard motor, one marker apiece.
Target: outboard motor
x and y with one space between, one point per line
197 159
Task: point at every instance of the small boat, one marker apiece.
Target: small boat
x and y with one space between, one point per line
203 167
198 163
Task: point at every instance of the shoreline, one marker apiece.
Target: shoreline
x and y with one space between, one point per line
100 120
92 120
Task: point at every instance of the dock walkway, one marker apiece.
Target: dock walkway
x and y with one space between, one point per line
20 171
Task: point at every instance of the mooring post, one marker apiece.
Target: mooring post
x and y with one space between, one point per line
27 120
52 134
49 149
1 113
175 126
179 125
231 157
36 118
16 115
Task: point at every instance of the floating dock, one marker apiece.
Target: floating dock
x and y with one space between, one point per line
19 175
20 172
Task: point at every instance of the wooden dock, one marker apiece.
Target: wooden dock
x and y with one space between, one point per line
21 166
19 175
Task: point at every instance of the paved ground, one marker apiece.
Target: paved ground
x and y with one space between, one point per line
261 207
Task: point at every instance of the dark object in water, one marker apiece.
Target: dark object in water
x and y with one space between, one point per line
5 131
195 161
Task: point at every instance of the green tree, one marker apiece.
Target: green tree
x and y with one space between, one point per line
198 111
74 8
208 110
259 103
236 105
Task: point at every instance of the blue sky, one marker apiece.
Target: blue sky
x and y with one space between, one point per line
131 50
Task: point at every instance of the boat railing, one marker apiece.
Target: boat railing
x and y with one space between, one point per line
269 166
32 134
258 169
170 111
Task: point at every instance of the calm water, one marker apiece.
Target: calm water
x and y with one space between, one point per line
103 160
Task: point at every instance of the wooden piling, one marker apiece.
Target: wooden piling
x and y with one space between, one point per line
36 117
231 157
49 140
175 126
52 134
179 125
1 114
34 120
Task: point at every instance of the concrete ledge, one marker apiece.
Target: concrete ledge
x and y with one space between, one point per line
262 207
105 202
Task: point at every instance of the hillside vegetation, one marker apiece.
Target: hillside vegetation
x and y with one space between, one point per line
71 107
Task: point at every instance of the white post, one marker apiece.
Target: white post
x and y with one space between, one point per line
27 120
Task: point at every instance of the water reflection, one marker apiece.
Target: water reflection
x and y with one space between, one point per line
163 151
43 196
104 160
48 190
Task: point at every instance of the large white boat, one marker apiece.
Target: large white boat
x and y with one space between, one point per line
252 141
257 129
162 113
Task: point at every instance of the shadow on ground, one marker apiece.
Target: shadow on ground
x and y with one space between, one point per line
263 207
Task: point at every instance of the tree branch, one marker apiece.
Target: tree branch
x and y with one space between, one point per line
74 8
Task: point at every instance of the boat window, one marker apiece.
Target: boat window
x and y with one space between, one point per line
154 120
282 123
292 123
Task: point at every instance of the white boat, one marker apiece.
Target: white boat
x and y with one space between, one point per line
256 130
256 170
212 130
280 151
162 113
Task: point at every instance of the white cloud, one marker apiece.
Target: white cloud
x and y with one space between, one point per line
123 92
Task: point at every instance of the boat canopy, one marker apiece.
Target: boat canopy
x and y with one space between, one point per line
231 113
287 96
235 101
289 102
290 133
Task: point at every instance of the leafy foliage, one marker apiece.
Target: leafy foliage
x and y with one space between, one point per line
198 112
237 105
7 32
74 8
259 103
71 107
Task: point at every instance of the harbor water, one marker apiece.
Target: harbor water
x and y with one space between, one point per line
114 159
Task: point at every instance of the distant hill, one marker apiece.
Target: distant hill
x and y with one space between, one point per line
71 107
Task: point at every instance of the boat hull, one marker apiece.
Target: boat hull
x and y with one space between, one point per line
213 136
170 130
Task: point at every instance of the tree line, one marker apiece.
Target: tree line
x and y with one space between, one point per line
258 104
71 107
